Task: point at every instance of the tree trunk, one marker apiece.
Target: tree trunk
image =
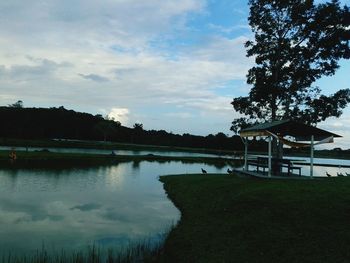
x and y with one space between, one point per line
277 153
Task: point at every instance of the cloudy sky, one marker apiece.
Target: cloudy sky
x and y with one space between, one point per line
169 64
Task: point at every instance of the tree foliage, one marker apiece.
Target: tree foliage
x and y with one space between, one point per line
17 104
138 127
107 128
60 123
296 43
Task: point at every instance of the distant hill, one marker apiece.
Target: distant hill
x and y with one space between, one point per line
60 123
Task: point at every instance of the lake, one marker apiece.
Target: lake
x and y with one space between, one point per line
107 206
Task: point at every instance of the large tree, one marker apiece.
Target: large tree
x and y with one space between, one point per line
296 43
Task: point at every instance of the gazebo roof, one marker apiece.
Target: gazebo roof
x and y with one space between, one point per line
300 131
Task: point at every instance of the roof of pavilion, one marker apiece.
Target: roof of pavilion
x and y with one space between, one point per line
300 131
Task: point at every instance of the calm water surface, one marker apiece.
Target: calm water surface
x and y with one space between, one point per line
108 206
70 209
319 170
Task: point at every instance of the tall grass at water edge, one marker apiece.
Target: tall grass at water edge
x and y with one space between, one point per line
142 251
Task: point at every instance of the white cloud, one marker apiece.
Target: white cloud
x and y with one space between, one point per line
340 126
90 55
38 68
136 80
120 114
82 23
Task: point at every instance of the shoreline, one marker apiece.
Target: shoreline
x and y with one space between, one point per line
100 145
45 158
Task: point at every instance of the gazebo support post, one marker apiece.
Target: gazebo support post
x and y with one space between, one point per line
269 163
312 157
246 154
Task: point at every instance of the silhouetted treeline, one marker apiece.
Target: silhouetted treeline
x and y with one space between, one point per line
60 123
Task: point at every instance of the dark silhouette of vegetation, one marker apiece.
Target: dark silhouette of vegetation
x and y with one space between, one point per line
18 104
138 126
107 127
60 123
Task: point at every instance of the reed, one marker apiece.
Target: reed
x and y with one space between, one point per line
146 250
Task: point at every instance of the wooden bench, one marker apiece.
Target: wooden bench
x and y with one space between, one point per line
260 162
285 163
277 165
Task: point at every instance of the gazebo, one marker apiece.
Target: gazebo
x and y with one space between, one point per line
300 135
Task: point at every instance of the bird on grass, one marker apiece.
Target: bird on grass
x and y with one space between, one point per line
347 174
329 175
204 171
340 174
229 171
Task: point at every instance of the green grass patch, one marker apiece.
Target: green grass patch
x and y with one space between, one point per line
47 159
232 219
107 146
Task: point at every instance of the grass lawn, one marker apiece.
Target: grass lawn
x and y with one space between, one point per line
232 219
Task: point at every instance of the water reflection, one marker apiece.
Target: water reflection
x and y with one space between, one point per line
322 170
337 166
73 208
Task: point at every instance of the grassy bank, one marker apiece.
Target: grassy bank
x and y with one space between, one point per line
43 159
231 219
105 146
